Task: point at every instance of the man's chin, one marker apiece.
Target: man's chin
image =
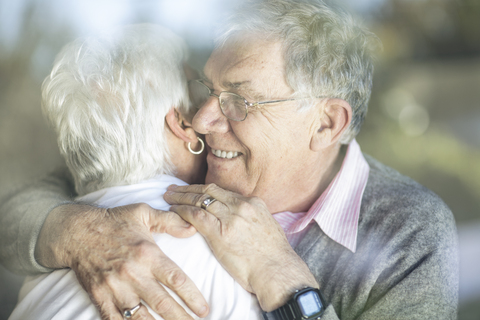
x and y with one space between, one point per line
227 183
219 181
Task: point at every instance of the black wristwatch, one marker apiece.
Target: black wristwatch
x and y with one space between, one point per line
307 303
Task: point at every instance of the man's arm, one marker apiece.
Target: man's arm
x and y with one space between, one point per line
22 215
405 269
246 240
112 251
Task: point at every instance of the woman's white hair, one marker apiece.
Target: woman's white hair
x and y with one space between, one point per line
107 97
326 52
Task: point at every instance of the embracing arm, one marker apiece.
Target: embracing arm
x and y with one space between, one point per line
22 215
412 276
246 240
112 251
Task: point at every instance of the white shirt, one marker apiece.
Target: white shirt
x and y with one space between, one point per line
58 295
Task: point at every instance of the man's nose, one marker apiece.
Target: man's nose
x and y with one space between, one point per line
210 119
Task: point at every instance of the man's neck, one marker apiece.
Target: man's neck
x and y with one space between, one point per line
302 193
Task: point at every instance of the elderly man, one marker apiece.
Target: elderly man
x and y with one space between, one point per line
284 94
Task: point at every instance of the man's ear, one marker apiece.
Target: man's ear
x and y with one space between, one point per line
180 127
335 118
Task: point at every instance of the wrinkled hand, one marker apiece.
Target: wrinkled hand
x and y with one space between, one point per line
116 259
246 240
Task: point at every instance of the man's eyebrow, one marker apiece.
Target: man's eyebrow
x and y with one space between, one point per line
245 88
236 85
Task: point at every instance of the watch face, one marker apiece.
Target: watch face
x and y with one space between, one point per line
309 303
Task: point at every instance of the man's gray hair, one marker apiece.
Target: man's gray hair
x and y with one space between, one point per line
107 97
327 53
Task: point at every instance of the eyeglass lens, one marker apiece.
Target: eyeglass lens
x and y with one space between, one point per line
232 105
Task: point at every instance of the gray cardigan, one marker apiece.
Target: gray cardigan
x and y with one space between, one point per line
405 265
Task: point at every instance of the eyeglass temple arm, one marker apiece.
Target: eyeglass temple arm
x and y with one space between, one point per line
254 104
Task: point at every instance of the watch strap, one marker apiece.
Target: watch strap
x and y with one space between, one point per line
285 312
291 311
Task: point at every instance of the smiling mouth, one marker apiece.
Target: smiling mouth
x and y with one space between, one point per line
225 154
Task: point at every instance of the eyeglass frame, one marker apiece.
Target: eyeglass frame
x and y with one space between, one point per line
247 104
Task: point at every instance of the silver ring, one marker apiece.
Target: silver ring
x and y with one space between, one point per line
207 202
128 313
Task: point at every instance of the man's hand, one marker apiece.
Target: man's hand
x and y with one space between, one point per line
246 240
116 259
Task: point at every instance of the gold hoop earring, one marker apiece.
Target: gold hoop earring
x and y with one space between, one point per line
199 151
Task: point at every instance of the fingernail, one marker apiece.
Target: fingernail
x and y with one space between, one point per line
172 187
203 310
169 193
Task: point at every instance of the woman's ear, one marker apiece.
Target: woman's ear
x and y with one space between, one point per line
335 118
180 127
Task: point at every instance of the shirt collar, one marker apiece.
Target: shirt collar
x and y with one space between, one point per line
337 210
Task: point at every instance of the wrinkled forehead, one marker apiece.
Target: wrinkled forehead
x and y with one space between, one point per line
246 58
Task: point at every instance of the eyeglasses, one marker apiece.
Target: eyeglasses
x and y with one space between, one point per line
233 106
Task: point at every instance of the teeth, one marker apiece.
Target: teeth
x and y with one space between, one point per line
225 154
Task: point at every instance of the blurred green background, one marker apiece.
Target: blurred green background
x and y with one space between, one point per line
424 116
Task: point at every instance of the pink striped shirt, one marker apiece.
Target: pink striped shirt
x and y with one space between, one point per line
338 208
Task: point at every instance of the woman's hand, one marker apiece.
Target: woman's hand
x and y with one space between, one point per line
116 259
246 240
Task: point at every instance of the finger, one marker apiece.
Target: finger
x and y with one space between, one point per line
171 223
125 298
185 198
169 274
210 189
164 304
142 314
102 300
127 294
218 208
108 311
205 222
160 221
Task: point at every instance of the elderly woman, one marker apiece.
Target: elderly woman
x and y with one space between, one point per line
285 93
120 107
